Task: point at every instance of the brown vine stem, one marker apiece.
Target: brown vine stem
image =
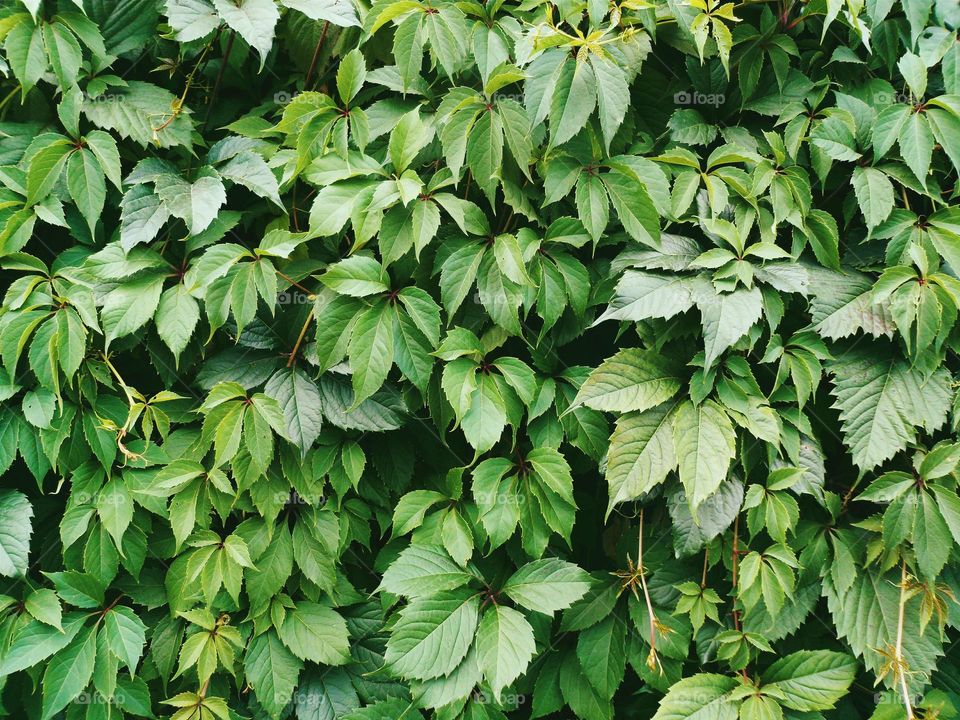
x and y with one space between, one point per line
316 55
293 208
706 566
177 105
112 605
216 83
127 424
293 282
900 664
736 572
123 385
652 660
303 333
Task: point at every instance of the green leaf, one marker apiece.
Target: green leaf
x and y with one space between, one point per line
16 514
505 646
726 318
714 515
142 112
407 139
704 442
409 512
866 617
887 128
357 276
125 635
36 641
24 49
485 415
485 151
177 316
272 671
516 131
326 695
130 306
579 693
141 217
421 571
548 585
85 180
641 453
385 710
824 238
760 707
44 605
641 296
634 207
68 673
811 680
883 402
338 12
300 400
931 537
351 75
613 96
593 206
195 203
115 507
916 145
699 697
601 650
574 97
250 170
191 19
64 52
842 305
874 194
433 635
631 380
457 537
316 633
371 350
45 168
253 20
79 589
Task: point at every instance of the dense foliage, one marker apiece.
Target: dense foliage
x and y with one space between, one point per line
479 360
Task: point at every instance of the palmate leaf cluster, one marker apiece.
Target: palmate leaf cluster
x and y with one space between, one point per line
479 360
